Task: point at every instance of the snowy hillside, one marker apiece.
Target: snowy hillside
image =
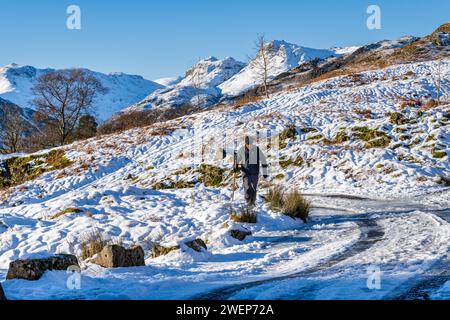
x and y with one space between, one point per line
368 153
16 83
282 56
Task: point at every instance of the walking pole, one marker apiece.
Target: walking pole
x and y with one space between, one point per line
234 170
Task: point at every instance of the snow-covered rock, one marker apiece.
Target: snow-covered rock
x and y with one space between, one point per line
16 83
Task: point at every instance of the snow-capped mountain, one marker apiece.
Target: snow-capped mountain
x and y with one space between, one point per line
199 85
16 83
282 56
212 79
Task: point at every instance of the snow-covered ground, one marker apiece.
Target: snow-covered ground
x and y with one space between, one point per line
372 207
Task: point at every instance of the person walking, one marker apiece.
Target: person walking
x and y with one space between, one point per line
250 159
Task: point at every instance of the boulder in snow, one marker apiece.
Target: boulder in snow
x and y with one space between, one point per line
240 234
34 269
115 256
198 245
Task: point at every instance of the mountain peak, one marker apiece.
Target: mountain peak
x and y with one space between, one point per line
443 28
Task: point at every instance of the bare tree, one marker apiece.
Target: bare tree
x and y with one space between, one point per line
13 133
261 62
62 97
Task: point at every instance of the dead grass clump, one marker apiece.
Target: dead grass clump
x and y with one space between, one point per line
92 244
246 216
292 203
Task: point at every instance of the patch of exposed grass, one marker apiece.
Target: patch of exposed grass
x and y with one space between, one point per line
308 130
316 137
400 130
280 176
398 118
18 170
285 163
182 171
431 137
66 211
340 137
170 184
438 154
211 176
373 138
288 133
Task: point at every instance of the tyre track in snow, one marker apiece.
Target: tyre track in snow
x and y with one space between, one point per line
371 233
432 279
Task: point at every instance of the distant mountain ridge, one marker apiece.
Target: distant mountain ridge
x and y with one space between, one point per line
212 80
16 83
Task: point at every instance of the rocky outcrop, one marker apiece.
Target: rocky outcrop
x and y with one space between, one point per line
240 234
197 245
115 256
34 269
2 293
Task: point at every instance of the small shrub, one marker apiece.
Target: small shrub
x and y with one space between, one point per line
296 206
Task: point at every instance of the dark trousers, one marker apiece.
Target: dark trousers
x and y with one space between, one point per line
250 188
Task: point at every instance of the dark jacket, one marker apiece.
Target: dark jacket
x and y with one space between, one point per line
251 161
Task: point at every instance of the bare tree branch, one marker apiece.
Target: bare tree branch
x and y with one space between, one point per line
62 97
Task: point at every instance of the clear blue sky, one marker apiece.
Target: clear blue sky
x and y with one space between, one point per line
163 38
